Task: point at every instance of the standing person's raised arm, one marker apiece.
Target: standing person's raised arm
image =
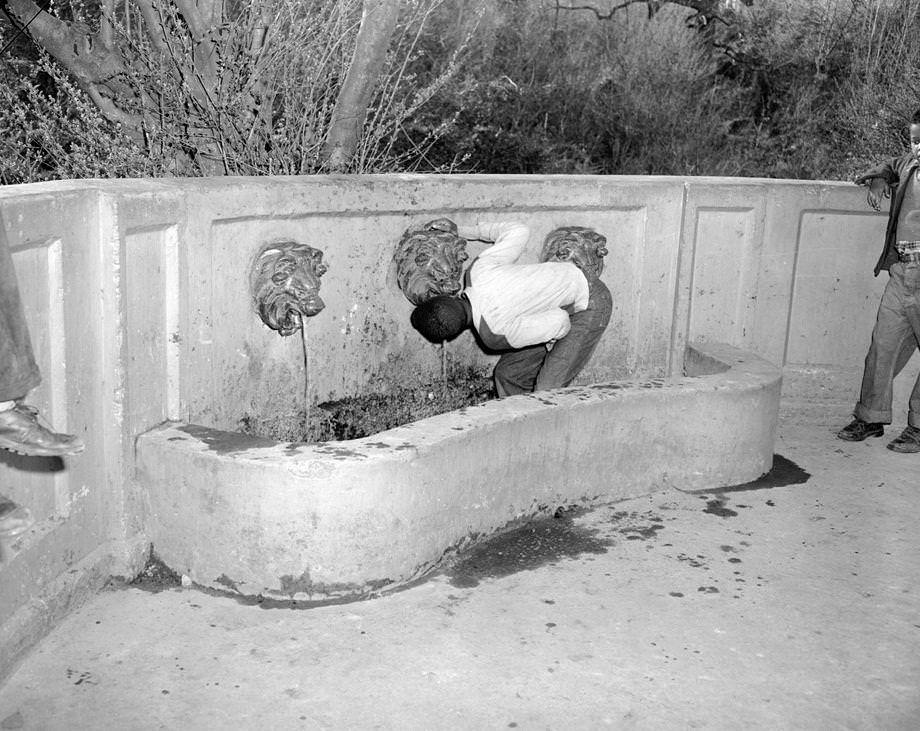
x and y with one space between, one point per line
879 181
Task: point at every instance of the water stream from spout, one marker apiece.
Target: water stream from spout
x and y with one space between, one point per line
444 363
306 377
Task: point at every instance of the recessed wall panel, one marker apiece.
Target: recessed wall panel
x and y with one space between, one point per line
151 294
835 296
724 275
360 342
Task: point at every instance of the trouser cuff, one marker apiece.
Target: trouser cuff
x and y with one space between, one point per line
872 417
17 388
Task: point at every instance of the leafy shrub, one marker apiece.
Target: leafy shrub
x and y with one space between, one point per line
254 107
786 89
49 129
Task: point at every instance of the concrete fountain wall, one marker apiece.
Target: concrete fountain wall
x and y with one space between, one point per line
137 299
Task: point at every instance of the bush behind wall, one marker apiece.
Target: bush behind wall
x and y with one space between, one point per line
789 90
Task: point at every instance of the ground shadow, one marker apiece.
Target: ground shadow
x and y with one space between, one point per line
31 464
784 473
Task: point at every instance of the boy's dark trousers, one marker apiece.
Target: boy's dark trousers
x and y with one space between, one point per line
19 373
536 369
895 338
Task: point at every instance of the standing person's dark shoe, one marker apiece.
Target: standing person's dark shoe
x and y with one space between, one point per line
857 430
20 432
908 441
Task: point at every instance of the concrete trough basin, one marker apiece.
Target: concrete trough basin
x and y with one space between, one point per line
352 518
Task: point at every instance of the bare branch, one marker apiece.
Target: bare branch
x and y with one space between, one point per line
82 52
112 112
73 44
152 24
105 22
192 19
205 60
598 13
704 9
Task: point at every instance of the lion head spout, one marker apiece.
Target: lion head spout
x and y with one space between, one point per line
429 260
284 281
584 247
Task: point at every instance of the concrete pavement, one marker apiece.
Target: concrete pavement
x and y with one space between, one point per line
770 606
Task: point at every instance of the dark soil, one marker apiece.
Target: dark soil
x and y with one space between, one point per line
156 576
359 416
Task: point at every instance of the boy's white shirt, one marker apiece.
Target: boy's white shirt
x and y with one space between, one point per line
522 302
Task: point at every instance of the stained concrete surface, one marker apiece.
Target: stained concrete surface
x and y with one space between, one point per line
791 603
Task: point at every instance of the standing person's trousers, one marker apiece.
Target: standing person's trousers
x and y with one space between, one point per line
895 338
19 373
536 369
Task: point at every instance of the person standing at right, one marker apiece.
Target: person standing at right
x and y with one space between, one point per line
897 330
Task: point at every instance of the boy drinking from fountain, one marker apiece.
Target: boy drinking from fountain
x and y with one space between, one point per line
545 318
897 330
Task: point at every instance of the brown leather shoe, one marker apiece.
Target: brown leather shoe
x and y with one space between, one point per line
20 432
14 519
907 441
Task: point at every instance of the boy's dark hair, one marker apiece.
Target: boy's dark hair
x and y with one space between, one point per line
915 117
440 318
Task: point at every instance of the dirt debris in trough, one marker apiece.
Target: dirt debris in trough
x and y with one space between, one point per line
359 416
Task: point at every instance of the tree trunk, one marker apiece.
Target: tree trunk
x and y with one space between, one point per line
88 56
378 23
95 61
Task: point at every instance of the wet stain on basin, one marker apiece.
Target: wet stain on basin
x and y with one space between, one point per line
534 544
338 452
224 442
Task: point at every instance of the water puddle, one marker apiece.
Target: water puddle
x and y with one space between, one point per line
637 526
717 507
537 543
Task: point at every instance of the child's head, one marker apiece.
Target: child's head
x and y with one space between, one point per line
440 318
914 131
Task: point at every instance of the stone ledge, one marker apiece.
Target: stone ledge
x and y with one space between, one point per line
337 519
